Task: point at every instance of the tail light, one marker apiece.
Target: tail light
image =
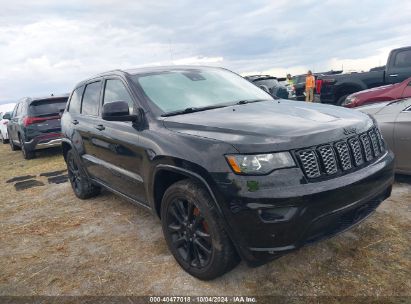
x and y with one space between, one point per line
5 122
28 120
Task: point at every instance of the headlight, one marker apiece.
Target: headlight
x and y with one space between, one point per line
259 164
349 100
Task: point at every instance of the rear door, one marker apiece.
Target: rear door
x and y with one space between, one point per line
399 67
85 127
12 128
402 139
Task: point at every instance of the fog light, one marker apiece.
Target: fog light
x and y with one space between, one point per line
274 215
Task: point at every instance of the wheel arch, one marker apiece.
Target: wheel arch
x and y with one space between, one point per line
66 146
349 88
166 175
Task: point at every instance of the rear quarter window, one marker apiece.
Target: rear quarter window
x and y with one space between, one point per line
91 99
75 101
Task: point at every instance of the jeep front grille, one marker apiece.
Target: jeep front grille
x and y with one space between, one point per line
342 156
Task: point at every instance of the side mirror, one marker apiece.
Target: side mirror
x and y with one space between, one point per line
7 116
118 111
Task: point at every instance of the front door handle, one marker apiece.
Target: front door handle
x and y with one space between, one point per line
393 75
100 127
74 122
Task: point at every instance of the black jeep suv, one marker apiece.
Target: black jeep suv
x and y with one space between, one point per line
231 172
35 124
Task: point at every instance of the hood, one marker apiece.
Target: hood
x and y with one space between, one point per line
373 108
386 108
271 125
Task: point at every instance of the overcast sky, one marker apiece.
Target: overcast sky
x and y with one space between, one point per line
47 46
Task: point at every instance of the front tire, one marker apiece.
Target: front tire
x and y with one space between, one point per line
194 231
3 141
82 186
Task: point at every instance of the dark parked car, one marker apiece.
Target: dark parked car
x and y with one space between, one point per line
380 94
35 124
230 171
270 84
336 88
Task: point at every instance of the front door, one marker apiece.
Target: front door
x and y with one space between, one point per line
115 144
399 67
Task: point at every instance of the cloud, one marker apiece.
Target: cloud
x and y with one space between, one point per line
47 46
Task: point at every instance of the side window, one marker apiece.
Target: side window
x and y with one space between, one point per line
17 110
91 99
14 110
75 101
403 59
116 91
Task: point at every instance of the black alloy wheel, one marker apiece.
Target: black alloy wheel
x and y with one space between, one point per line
189 233
74 174
194 231
82 186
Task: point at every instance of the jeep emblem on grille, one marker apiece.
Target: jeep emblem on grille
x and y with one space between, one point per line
348 131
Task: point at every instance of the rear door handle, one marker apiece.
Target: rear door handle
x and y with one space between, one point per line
74 122
393 75
100 127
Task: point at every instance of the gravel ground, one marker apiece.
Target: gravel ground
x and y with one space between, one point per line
52 243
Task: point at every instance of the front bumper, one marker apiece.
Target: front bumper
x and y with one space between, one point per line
270 222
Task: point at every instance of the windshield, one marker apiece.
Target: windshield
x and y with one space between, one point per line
176 90
299 79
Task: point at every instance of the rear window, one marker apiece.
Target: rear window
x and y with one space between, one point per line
47 107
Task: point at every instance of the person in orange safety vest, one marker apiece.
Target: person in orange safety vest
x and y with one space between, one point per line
309 87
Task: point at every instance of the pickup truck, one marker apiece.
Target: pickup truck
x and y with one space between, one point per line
336 88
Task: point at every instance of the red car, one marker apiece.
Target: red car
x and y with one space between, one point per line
379 94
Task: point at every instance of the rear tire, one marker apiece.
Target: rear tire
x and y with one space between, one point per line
27 153
13 147
194 231
81 184
3 141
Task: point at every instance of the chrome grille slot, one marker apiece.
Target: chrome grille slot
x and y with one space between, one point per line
374 142
380 140
327 156
344 155
309 162
367 147
356 151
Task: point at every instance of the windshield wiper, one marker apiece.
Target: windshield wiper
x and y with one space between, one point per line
192 110
245 101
